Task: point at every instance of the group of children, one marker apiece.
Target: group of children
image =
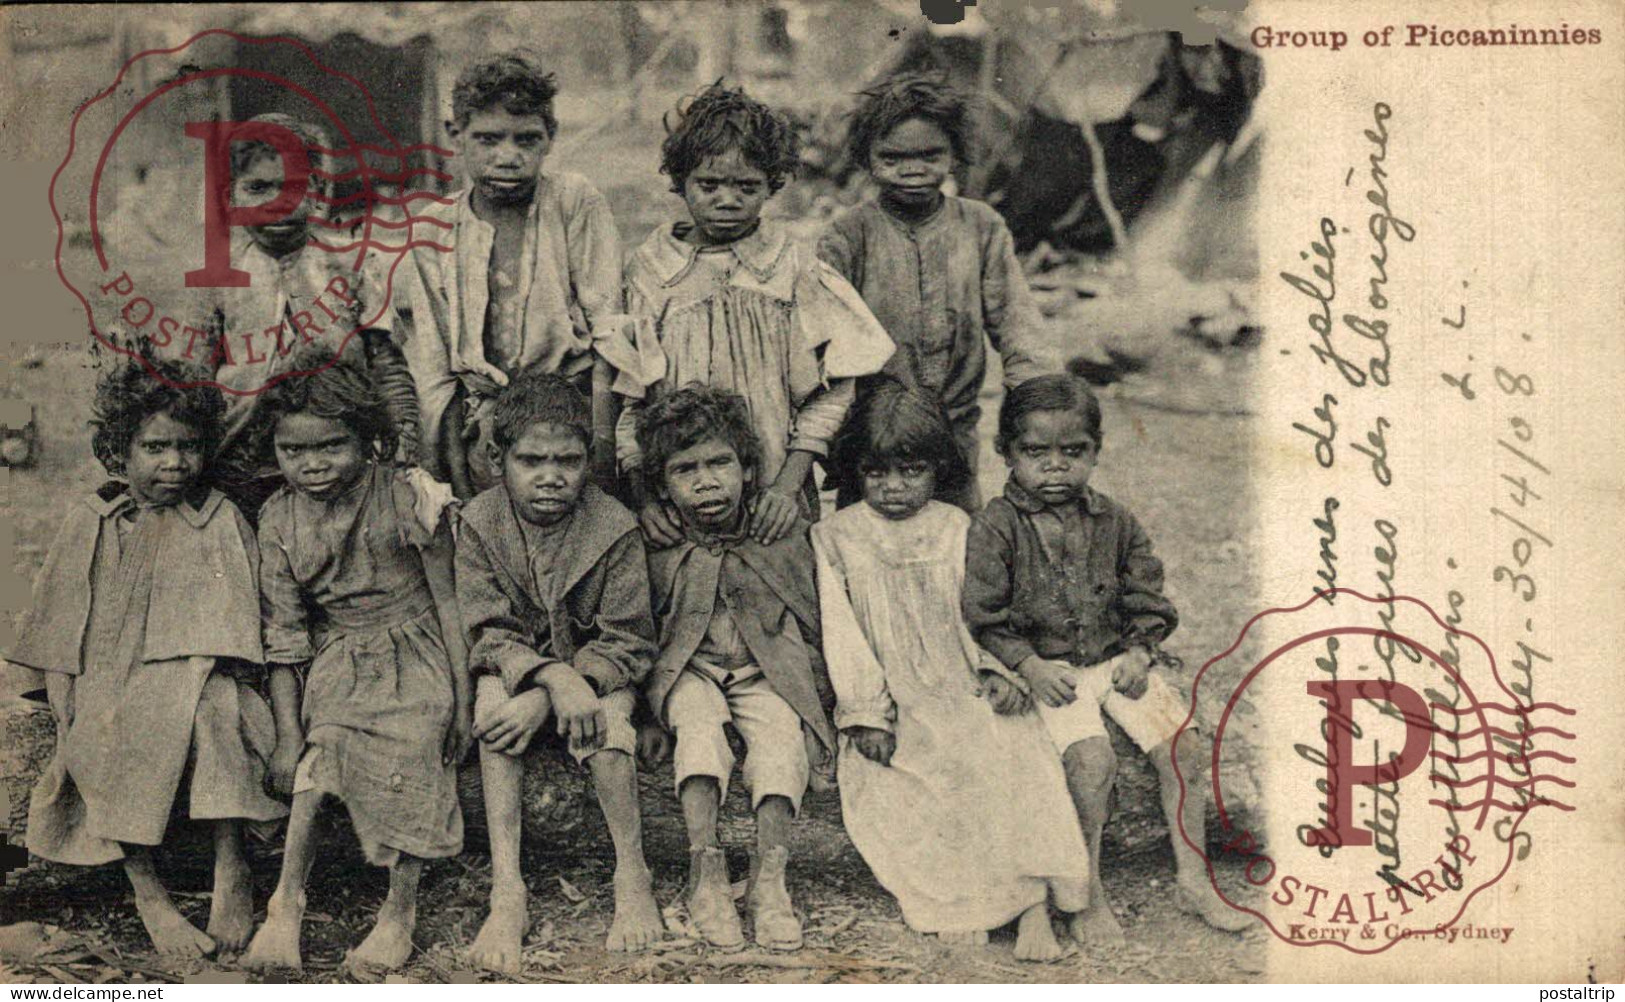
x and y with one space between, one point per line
596 521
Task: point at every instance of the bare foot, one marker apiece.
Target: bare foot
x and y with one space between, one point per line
975 937
1096 926
388 945
171 934
637 921
277 943
497 946
1204 902
231 916
1035 939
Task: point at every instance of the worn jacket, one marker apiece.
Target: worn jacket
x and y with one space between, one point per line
595 616
773 595
941 288
1100 595
204 604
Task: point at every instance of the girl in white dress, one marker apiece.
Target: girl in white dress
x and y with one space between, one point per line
949 789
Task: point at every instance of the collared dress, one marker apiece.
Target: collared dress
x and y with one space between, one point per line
971 823
343 588
152 610
761 317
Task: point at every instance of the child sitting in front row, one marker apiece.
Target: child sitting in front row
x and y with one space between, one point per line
939 271
554 589
1062 587
956 802
737 304
356 592
145 623
738 644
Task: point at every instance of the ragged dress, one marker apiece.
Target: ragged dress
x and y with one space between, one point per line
971 824
152 609
343 587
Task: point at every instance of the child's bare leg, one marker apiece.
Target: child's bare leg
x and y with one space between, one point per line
170 931
497 946
637 921
1090 766
1035 938
390 943
710 896
1196 893
231 915
277 942
776 923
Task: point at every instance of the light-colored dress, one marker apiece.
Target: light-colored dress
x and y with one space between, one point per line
167 717
343 587
971 824
761 317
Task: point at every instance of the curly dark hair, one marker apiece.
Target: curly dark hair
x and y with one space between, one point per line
538 397
891 103
896 424
1060 392
513 81
133 391
343 391
314 137
721 119
689 416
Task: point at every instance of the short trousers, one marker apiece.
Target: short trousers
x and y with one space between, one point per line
619 735
776 763
1149 721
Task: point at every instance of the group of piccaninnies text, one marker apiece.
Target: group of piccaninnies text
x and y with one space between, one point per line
551 495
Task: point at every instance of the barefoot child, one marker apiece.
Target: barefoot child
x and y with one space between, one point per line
738 645
1062 587
144 624
939 272
956 802
355 586
298 294
554 589
737 304
533 277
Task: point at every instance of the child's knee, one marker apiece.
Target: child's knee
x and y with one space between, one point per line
1091 763
702 750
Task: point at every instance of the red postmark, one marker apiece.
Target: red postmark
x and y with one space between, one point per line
1404 763
193 298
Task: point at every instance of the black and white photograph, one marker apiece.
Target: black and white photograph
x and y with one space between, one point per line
800 492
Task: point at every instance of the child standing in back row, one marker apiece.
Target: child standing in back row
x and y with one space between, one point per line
356 593
1062 587
939 271
736 304
956 801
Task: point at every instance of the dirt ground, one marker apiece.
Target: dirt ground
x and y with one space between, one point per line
1179 471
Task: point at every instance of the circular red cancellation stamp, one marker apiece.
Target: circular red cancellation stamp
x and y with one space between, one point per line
1401 768
216 207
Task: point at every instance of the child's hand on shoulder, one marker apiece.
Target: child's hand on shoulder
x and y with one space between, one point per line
509 728
580 714
1006 697
873 743
1051 681
772 515
1132 672
659 525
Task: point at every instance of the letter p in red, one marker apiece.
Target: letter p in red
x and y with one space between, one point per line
219 215
1342 775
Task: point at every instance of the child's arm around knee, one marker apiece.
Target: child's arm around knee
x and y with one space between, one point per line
864 709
